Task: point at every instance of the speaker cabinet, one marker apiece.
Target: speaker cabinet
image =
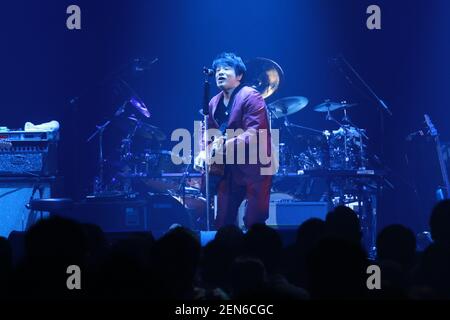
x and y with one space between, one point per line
15 194
156 213
112 215
287 212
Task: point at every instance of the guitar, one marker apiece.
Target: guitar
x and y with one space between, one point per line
5 144
435 135
213 151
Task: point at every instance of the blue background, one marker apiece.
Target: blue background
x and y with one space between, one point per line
44 65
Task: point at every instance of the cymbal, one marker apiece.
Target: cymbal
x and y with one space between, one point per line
264 75
148 131
288 105
332 106
140 106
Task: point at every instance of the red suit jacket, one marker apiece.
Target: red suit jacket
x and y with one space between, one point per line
249 113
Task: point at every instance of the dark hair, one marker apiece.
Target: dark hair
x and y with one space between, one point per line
230 59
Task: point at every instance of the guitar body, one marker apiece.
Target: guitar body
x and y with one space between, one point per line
216 169
213 152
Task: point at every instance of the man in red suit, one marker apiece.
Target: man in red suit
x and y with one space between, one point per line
239 107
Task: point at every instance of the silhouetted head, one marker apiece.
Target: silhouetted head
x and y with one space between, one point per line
247 277
343 223
265 244
337 269
95 238
397 243
216 264
56 239
51 246
175 258
229 235
440 223
433 271
309 233
219 254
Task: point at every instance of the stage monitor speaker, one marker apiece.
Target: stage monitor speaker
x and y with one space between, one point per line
15 194
287 212
111 215
156 213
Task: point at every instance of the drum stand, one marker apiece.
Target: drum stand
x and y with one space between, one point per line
362 135
99 180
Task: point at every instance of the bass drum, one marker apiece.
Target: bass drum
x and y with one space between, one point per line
275 198
157 163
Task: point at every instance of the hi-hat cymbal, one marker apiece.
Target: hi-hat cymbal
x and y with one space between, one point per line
264 75
140 106
287 106
331 106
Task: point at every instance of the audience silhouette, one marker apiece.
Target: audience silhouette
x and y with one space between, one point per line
326 261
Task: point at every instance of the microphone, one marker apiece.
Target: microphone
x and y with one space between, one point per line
208 72
140 65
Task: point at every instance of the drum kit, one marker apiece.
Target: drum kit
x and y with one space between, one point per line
151 171
340 149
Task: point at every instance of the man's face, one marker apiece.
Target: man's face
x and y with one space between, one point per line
226 78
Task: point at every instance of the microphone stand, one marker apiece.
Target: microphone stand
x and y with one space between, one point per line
205 143
381 104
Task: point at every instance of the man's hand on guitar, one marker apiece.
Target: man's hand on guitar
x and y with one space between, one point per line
215 149
199 161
